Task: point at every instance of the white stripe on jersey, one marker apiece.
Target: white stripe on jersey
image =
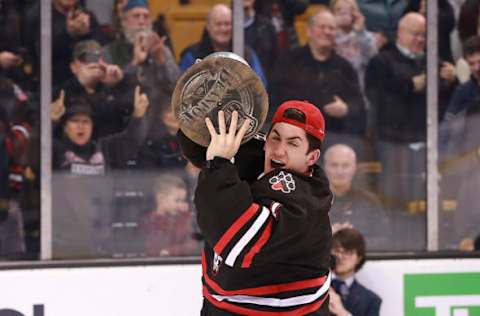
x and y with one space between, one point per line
251 232
278 302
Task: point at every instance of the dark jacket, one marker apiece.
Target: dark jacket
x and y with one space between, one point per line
288 10
360 301
63 43
298 76
261 235
262 37
111 106
400 111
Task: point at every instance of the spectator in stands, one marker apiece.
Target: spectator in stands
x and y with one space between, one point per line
141 52
353 205
168 229
468 19
396 88
161 148
14 60
347 295
382 17
464 103
77 153
217 37
316 73
459 145
471 23
353 41
446 24
70 24
102 85
282 14
16 120
260 35
13 151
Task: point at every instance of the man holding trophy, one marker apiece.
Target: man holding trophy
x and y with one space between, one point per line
264 216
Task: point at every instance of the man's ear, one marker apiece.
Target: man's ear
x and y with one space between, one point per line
313 157
73 67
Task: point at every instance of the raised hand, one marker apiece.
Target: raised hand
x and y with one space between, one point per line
448 72
157 49
140 103
113 74
225 144
419 82
338 108
140 49
57 107
9 59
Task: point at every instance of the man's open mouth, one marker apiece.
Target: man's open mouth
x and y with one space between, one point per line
277 164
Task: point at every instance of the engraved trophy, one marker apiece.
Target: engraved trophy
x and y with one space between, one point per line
221 81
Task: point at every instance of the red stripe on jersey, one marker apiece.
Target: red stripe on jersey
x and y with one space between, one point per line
262 290
236 226
247 261
306 309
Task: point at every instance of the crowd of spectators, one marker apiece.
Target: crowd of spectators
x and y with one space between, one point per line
363 64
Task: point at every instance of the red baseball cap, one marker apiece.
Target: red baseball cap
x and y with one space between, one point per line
314 121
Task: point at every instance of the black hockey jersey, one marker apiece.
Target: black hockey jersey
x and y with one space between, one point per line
267 243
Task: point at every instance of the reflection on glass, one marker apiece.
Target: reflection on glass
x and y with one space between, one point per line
459 147
19 134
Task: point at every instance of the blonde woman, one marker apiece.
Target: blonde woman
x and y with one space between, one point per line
353 41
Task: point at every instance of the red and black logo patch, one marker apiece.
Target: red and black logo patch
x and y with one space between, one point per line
283 182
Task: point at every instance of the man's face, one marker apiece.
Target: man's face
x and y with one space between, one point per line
287 147
412 36
474 64
79 129
340 166
87 68
321 33
346 260
219 26
174 202
136 19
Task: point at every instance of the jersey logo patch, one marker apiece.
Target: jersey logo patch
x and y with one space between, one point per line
283 182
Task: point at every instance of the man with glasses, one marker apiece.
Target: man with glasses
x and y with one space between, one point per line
141 52
315 72
396 87
347 296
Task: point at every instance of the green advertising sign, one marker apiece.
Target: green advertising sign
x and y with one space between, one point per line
442 294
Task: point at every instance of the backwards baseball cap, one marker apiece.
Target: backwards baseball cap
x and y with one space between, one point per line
314 123
85 50
134 4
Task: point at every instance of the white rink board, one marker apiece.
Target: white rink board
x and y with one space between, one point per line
172 290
